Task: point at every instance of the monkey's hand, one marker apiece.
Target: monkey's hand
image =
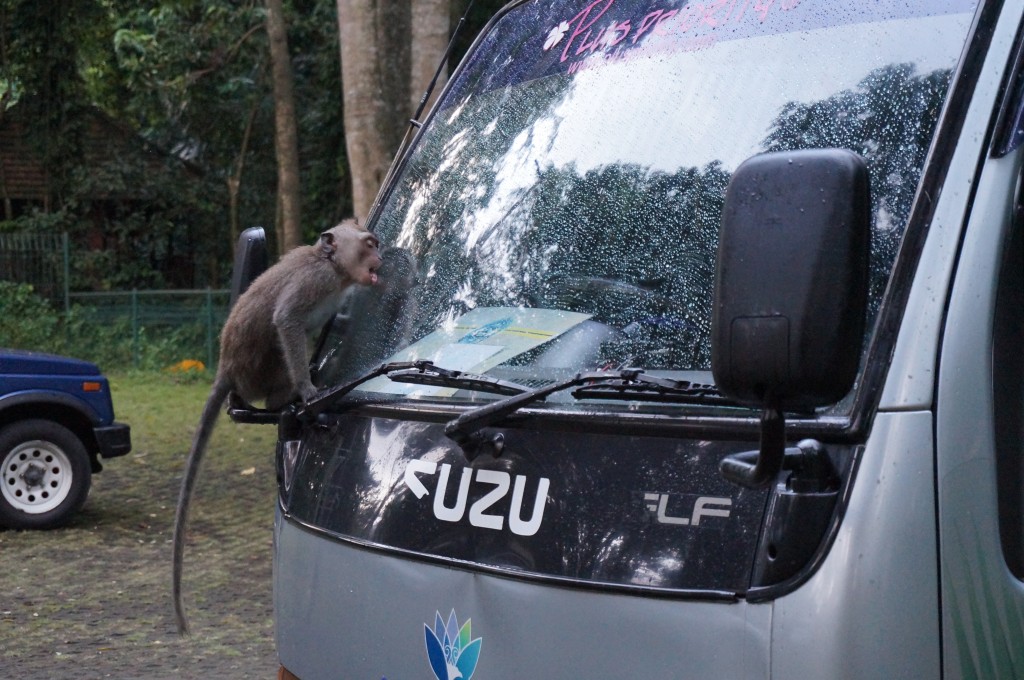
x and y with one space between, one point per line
306 391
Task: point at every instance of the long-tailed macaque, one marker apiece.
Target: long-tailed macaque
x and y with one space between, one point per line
263 345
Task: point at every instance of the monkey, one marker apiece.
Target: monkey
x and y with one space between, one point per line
263 345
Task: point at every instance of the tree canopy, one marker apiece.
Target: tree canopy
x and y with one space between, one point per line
193 81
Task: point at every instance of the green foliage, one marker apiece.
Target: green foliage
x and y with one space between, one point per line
143 212
169 234
26 320
106 337
39 221
192 79
108 345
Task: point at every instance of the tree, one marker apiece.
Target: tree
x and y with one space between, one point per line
195 79
375 73
286 135
40 49
430 27
390 51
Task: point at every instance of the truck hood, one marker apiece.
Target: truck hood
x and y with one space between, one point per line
36 363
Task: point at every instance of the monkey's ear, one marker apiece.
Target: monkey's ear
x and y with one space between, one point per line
327 244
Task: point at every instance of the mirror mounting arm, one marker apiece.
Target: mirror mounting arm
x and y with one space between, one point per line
758 469
811 469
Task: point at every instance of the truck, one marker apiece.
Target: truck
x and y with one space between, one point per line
698 354
56 423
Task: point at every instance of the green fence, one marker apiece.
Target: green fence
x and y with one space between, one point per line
163 326
137 328
39 259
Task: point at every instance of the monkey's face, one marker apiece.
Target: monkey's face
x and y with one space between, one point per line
353 250
370 262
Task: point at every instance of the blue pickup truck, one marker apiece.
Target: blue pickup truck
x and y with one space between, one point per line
56 423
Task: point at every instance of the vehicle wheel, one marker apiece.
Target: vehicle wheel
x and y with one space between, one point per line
44 476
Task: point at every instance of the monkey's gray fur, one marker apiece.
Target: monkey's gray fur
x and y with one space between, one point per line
263 354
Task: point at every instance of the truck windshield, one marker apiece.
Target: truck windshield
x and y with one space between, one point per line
559 210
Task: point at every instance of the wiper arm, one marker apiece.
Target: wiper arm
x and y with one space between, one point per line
421 372
327 398
627 383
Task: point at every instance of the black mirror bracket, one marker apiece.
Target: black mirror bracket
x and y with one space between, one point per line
757 469
812 469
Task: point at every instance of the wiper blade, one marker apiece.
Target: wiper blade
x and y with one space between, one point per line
651 388
628 383
444 377
421 372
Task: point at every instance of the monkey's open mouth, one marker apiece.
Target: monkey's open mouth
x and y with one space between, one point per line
373 277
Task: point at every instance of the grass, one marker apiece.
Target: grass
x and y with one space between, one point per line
93 599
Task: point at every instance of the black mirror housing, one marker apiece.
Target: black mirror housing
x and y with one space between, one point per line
791 282
250 260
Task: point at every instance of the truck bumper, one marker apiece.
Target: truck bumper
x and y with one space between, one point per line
114 440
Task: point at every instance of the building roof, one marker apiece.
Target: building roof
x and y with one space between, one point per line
22 173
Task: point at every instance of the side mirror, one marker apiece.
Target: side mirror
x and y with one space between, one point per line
791 288
250 260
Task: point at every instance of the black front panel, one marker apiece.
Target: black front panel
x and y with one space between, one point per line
631 511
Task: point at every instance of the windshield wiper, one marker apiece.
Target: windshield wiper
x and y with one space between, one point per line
627 384
642 387
422 372
444 377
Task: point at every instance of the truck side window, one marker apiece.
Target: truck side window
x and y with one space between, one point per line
1008 393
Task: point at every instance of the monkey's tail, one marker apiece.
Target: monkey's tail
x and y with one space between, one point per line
214 402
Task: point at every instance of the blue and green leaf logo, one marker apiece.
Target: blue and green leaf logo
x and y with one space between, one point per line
451 650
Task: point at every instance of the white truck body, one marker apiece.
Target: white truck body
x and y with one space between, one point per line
394 525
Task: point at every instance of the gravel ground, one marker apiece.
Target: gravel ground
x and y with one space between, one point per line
92 600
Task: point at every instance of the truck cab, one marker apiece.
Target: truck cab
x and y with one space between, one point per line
697 354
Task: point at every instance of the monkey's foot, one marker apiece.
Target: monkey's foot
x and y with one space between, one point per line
236 402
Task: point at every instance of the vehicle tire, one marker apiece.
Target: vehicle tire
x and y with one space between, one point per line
45 474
